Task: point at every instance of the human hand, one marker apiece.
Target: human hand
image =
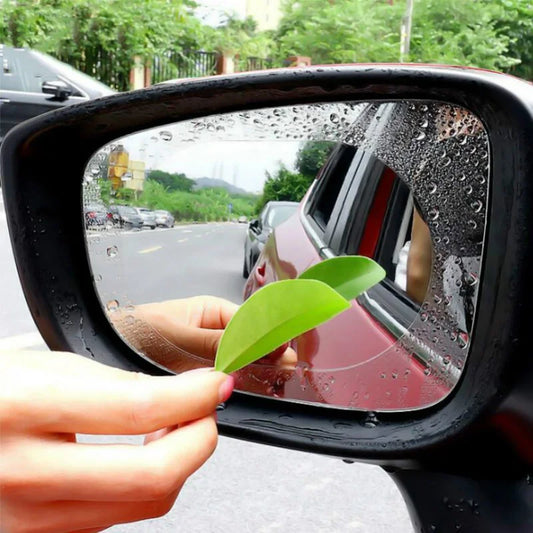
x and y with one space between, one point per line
183 334
51 483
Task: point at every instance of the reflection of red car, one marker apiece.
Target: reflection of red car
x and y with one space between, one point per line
357 206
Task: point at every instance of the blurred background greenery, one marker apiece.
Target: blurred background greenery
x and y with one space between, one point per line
167 39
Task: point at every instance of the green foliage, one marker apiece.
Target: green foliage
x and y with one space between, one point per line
284 185
172 182
204 205
342 31
312 156
85 33
240 38
494 34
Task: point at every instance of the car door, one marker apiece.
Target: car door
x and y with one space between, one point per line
21 97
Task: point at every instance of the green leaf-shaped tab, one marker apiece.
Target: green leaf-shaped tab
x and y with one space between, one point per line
349 275
275 314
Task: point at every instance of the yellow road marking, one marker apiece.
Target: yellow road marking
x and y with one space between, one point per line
149 250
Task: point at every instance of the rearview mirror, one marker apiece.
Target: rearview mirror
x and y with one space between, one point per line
59 89
403 182
465 330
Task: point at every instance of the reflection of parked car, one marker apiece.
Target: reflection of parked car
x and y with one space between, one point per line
273 214
96 215
32 83
164 218
242 220
148 217
125 216
358 206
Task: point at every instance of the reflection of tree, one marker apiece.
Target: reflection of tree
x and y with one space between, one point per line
285 185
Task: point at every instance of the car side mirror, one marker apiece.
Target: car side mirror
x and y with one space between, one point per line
59 89
446 151
255 224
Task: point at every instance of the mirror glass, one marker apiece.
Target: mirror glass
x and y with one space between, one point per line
223 205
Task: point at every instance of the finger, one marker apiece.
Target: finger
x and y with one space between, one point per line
197 341
88 517
156 435
102 400
114 472
217 312
284 357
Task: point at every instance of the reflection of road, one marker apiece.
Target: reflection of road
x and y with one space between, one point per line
244 486
147 266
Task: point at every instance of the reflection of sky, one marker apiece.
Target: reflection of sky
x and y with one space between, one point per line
241 163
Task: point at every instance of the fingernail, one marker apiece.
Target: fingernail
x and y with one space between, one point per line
225 390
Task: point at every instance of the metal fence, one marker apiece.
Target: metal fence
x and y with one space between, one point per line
258 63
113 69
102 65
184 65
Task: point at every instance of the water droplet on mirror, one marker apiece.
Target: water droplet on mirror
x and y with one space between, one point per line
463 340
432 188
129 320
371 420
334 118
112 251
97 277
421 136
112 306
165 135
477 206
433 214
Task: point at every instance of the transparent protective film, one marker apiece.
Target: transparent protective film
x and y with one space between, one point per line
185 221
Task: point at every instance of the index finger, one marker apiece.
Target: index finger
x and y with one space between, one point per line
88 397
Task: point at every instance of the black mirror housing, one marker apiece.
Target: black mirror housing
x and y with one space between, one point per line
499 369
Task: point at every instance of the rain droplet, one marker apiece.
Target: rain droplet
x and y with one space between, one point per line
112 251
165 135
421 136
433 214
432 188
371 420
112 306
129 320
477 206
97 277
334 118
472 224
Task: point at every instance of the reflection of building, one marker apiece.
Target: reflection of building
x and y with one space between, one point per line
125 173
266 13
136 171
117 166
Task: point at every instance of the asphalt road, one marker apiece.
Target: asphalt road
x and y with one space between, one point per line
245 487
134 267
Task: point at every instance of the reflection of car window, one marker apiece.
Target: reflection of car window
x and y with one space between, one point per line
330 185
127 211
280 214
